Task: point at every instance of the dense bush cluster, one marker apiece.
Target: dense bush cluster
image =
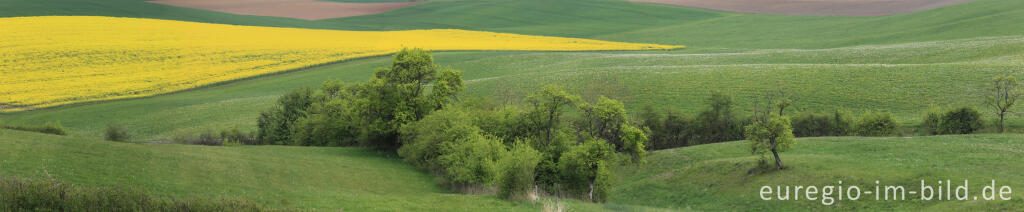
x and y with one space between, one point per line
369 113
17 194
877 124
48 128
811 124
717 123
964 120
557 144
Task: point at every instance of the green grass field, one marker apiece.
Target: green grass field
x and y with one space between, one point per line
708 177
716 177
308 178
901 63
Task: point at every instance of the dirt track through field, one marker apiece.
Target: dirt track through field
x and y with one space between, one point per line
814 7
300 9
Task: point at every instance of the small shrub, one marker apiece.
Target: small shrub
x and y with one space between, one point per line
208 138
931 122
116 133
877 124
236 136
963 120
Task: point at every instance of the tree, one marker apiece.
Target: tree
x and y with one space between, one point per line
718 123
1001 95
774 135
547 108
634 141
396 95
604 120
584 169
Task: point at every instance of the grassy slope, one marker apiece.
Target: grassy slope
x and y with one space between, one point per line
715 177
323 178
905 79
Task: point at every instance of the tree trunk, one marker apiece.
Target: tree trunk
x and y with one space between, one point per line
1001 115
590 195
778 161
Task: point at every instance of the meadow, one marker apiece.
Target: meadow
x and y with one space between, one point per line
102 58
705 177
305 178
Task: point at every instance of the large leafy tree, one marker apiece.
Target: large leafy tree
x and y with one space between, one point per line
546 108
398 95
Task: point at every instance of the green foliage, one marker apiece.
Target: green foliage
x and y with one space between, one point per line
964 120
634 142
811 124
370 114
49 128
604 120
518 171
718 123
877 124
669 130
932 120
17 194
507 123
447 142
234 135
116 133
584 170
545 112
775 135
332 119
471 160
275 123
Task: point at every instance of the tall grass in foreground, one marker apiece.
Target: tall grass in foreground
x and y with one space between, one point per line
19 194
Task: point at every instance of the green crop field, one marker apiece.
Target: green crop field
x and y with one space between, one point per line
902 64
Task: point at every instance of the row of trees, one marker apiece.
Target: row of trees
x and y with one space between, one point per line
555 142
719 122
773 132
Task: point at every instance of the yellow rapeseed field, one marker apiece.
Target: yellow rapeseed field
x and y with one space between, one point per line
48 61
